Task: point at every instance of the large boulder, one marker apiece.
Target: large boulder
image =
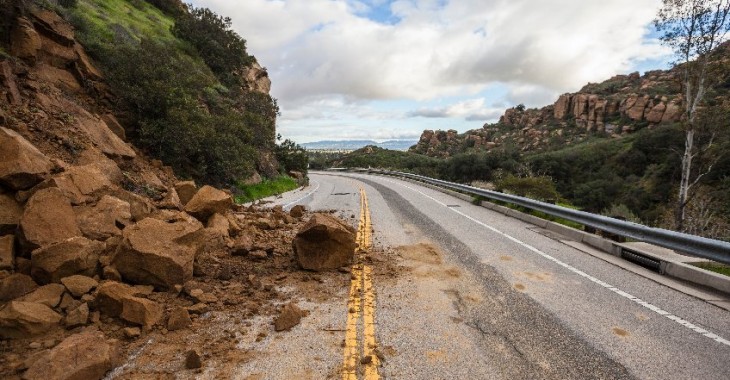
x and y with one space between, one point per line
77 255
84 356
16 285
20 319
208 201
104 220
22 165
48 218
157 252
324 242
10 213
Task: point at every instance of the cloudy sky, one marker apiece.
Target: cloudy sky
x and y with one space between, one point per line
388 69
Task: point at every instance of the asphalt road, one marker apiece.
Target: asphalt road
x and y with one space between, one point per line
485 296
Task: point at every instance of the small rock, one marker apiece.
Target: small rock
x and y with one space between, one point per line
79 285
35 345
78 316
367 359
141 311
297 211
185 191
132 332
198 308
289 317
111 273
179 319
193 360
258 255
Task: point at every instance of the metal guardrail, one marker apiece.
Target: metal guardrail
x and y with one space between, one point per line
692 245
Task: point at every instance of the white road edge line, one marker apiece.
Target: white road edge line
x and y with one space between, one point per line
579 272
305 196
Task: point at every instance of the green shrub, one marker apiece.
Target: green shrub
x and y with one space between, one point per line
222 49
291 156
540 187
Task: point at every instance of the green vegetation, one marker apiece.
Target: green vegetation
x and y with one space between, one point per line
714 267
265 189
177 76
536 187
292 156
103 24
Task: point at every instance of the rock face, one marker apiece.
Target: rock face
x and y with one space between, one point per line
325 242
155 252
77 255
87 355
23 319
257 78
48 218
21 164
208 201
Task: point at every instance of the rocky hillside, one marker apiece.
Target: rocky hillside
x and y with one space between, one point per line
102 246
613 108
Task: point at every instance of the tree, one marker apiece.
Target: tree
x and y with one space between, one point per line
693 29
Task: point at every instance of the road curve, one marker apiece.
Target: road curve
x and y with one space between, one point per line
487 296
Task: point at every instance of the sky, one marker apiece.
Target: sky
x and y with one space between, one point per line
388 69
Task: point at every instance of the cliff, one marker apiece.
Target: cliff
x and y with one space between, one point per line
613 108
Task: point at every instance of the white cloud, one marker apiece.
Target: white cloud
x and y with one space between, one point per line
328 50
470 110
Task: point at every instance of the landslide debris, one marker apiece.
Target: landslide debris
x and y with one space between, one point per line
103 249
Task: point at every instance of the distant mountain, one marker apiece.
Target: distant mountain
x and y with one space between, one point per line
357 144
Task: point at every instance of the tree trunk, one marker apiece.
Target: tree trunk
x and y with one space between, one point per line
684 183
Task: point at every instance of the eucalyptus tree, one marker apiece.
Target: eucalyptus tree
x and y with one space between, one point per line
693 29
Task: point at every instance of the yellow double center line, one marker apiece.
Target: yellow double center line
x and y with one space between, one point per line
361 307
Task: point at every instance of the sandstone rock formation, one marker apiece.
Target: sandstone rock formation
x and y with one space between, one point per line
325 242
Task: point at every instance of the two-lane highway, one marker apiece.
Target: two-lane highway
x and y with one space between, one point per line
483 295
